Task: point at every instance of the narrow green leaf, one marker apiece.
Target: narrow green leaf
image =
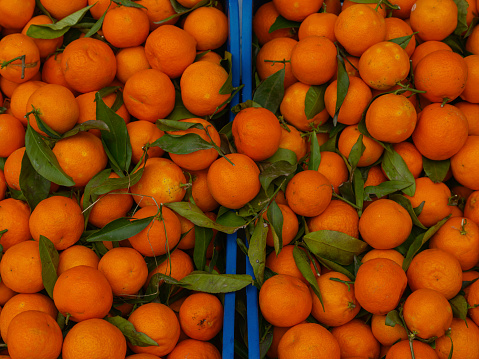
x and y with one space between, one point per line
385 188
315 153
436 170
182 144
180 10
270 92
179 112
215 283
229 219
459 306
127 328
462 6
396 169
34 187
112 184
203 237
304 265
85 126
334 266
49 258
282 23
393 318
314 101
356 152
227 87
342 89
257 250
403 201
94 29
402 41
275 219
120 229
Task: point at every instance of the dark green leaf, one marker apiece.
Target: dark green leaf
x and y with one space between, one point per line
462 6
229 219
403 201
315 153
436 170
85 126
385 188
356 152
282 23
49 258
183 144
304 265
275 219
179 112
459 307
276 170
112 184
257 250
215 283
173 125
43 127
393 318
402 41
270 92
314 101
35 188
94 29
342 89
335 267
227 87
203 237
396 169
127 328
120 229
358 184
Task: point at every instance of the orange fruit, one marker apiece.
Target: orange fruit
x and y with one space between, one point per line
288 293
34 334
318 24
308 193
385 334
14 217
411 156
188 238
427 313
339 302
472 297
200 88
298 10
357 98
358 28
100 6
263 18
380 9
384 253
470 92
356 339
209 56
200 192
5 294
142 132
12 168
21 268
161 235
94 338
59 9
83 293
19 98
12 133
291 139
292 108
391 118
16 13
149 95
385 224
472 42
16 45
289 227
442 74
471 111
278 333
191 348
270 55
158 10
375 176
395 28
125 269
3 186
463 163
52 72
402 350
433 19
425 48
306 340
94 74
45 46
338 216
129 61
159 322
465 335
170 49
313 60
233 185
334 168
125 26
256 132
76 255
435 269
208 26
178 265
161 182
349 136
471 208
202 159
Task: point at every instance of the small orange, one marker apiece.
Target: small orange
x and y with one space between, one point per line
129 61
464 163
402 350
99 7
291 139
434 19
297 10
395 28
158 10
59 9
200 193
142 132
471 111
470 92
375 176
16 13
472 297
52 72
356 339
178 265
386 334
45 46
263 18
425 48
16 45
411 156
392 254
289 228
334 168
5 294
12 133
19 98
76 255
318 24
472 42
464 335
349 136
338 216
208 26
125 26
471 208
190 348
380 9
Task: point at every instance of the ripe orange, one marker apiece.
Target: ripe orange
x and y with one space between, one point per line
233 185
411 156
349 136
3 186
142 132
178 265
426 48
13 46
472 297
465 336
318 24
284 263
208 26
60 9
356 339
256 132
285 300
395 28
12 168
402 350
472 42
5 294
470 92
45 46
434 19
471 111
19 98
190 348
292 139
471 208
52 72
391 254
76 255
264 17
130 60
464 163
200 193
380 9
298 10
100 6
333 167
289 228
16 13
338 216
12 133
125 26
158 10
375 177
385 334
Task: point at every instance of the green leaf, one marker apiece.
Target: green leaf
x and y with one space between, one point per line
120 229
173 125
359 190
403 201
304 265
335 266
462 6
95 28
393 318
342 89
356 152
43 159
43 127
85 126
396 169
315 152
203 237
215 283
49 259
314 101
436 170
459 307
182 144
179 111
257 250
335 246
112 184
227 87
282 23
35 188
275 219
127 328
402 41
385 188
180 10
270 92
281 164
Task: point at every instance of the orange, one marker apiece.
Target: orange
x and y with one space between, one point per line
334 168
256 132
129 61
375 176
125 269
383 65
356 339
380 9
427 313
159 322
318 24
471 208
338 216
208 26
297 10
5 294
59 9
52 72
435 197
460 237
379 285
332 6
385 224
471 111
161 182
292 108
442 74
285 300
349 136
200 87
200 192
170 49
83 293
308 193
472 42
384 253
188 3
278 333
306 340
426 48
434 19
264 17
94 338
21 268
149 95
81 156
396 28
284 263
358 28
404 11
178 265
233 185
313 60
158 10
12 168
12 134
13 46
391 118
470 92
339 302
357 98
34 334
402 350
100 6
385 334
161 235
209 56
435 269
88 64
277 49
463 163
411 156
142 132
3 186
19 98
201 159
292 139
191 348
289 228
465 336
187 240
76 255
45 46
472 297
16 13
125 26
58 218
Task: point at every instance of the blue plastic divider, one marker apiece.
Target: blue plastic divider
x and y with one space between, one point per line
231 248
